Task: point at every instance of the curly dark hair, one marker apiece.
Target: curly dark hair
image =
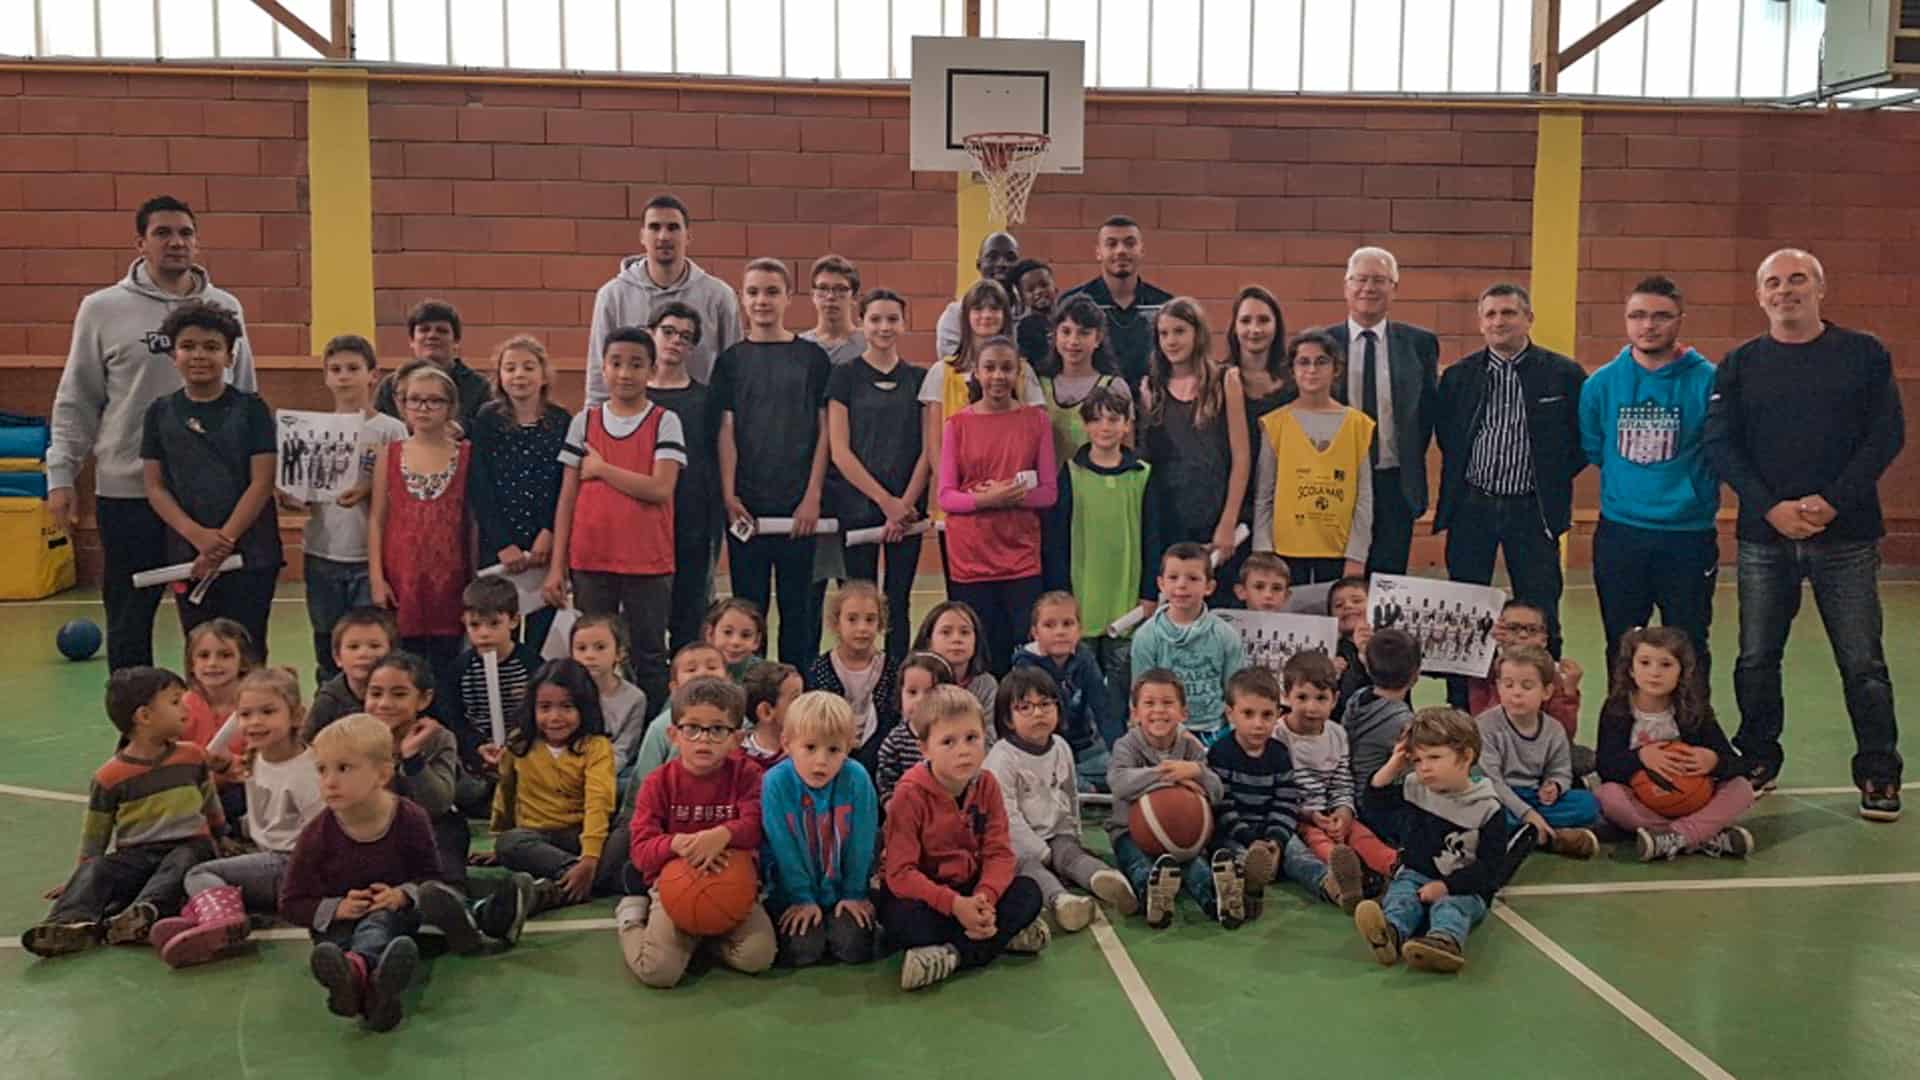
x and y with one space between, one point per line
201 315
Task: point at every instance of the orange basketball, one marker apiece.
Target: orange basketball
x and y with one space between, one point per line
705 904
1171 821
1672 798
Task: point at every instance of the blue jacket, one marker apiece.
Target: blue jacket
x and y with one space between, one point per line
1084 702
1645 430
819 843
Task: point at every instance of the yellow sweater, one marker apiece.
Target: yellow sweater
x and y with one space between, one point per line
549 791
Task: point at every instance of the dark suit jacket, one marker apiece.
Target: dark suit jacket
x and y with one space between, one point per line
1413 359
1550 385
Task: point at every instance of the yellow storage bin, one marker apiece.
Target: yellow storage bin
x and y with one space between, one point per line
36 559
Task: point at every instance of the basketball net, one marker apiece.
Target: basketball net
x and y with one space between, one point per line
1007 161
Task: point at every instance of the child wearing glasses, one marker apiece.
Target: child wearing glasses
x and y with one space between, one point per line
702 806
1523 624
1313 484
418 546
836 283
697 516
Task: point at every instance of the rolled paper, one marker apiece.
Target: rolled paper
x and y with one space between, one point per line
495 714
167 575
1240 535
874 535
225 735
1125 624
527 583
783 526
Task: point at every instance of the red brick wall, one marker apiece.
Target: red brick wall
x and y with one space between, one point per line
516 203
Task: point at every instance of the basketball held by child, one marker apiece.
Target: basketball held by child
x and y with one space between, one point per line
1672 798
1172 821
704 904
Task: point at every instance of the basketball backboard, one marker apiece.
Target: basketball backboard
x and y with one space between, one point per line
962 86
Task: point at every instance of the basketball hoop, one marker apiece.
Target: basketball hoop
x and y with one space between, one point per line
1007 161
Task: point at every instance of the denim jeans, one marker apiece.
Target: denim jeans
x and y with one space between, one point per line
1303 868
1452 917
333 589
1636 570
141 874
1845 580
368 935
1196 876
1511 524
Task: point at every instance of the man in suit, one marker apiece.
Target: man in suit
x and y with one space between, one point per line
1393 376
1508 422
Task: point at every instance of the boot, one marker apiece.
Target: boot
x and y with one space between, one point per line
220 922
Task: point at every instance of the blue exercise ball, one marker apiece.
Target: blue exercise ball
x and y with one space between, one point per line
79 639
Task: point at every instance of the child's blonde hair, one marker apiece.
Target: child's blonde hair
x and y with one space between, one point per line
945 703
228 631
847 591
360 735
819 715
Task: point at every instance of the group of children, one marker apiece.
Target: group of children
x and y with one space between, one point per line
923 796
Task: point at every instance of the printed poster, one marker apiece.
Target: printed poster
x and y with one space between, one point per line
320 454
1452 621
1272 637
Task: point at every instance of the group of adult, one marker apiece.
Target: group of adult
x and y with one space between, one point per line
1800 422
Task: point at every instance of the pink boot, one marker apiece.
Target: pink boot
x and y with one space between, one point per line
220 922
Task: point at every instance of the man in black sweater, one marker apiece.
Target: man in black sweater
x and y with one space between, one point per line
1803 422
1508 425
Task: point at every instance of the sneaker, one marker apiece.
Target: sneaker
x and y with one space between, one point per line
335 970
132 925
1733 841
1163 887
1377 932
632 912
504 914
1263 864
1880 802
1575 843
1764 778
1229 889
1434 952
59 939
1113 889
1073 913
445 907
388 981
927 965
1346 877
1032 939
547 895
1664 844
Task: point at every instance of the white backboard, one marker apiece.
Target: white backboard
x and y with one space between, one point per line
966 85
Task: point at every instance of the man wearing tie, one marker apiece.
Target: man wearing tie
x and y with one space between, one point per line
1393 376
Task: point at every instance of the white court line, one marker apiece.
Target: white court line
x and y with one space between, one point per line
1159 1028
1810 881
291 933
1849 790
1688 1053
42 793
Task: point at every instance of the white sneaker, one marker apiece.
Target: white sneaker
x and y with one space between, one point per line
1113 889
1035 937
631 911
1734 842
1073 913
927 965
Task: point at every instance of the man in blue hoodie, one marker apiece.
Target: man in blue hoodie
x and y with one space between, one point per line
1643 420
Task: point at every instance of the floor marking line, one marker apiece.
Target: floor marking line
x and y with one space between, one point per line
1809 804
42 793
1848 790
294 933
1811 881
1689 1055
1159 1028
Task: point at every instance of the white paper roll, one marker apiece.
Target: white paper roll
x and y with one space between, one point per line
783 526
495 714
874 535
1240 535
1125 624
167 575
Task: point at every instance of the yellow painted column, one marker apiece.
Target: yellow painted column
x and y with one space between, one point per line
1555 275
975 223
340 207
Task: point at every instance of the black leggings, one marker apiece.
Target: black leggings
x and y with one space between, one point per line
1006 615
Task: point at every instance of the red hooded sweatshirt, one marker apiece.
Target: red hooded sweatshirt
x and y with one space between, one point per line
939 848
673 800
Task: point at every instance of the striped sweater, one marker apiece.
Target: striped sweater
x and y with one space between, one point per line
137 801
1263 797
1321 767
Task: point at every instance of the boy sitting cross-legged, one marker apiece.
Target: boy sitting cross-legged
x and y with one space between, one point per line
1195 644
953 898
1159 752
361 637
1321 763
702 806
355 874
1374 719
1261 809
821 820
1453 845
154 801
1530 762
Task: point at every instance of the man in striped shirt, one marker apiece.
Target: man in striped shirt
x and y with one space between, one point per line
1509 434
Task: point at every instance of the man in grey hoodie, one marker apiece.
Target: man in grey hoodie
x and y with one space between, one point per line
117 365
648 282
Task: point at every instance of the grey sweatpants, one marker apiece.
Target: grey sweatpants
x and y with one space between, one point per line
1065 858
257 875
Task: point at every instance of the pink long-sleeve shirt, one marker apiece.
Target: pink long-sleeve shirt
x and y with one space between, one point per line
1003 543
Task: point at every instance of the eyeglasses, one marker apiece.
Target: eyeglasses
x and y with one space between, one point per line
1527 629
1029 708
668 333
1313 361
702 733
427 403
1378 281
837 292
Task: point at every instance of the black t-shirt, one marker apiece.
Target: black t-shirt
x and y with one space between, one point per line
696 497
206 451
776 391
883 430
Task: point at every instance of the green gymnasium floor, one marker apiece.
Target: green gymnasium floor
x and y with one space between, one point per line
1800 961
